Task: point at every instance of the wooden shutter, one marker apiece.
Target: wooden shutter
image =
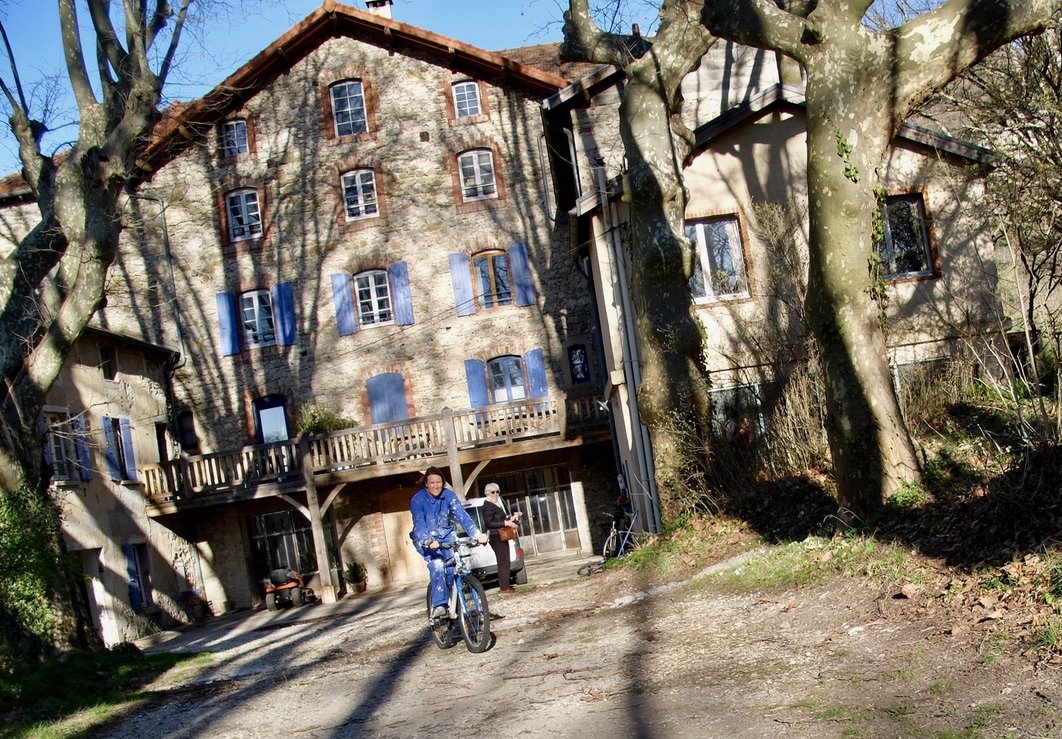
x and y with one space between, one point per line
284 314
228 324
534 363
461 275
343 299
521 271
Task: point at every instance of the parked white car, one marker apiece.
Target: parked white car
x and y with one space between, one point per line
484 563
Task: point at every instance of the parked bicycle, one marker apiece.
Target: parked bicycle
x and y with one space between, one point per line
466 605
621 539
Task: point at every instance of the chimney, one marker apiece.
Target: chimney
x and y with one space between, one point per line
381 8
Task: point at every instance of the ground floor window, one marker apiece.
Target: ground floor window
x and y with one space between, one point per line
279 540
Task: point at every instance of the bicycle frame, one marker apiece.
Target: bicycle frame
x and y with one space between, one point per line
626 534
466 603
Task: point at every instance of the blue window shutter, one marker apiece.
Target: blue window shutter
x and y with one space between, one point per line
127 447
110 450
84 461
284 314
343 298
132 571
402 298
521 270
228 324
476 376
387 398
461 275
535 365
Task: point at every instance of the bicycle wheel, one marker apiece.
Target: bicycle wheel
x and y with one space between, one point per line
442 630
611 545
475 615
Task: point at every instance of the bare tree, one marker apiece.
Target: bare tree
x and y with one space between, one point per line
673 397
53 282
861 86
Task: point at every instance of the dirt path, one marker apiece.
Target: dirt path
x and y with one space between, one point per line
606 656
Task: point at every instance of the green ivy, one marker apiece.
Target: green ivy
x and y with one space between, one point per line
844 151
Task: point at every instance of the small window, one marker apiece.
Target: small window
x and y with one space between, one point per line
719 272
477 175
256 309
233 135
466 99
245 216
492 279
904 248
579 364
348 108
359 194
374 298
507 381
61 452
108 362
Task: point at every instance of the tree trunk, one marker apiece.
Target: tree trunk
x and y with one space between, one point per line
871 446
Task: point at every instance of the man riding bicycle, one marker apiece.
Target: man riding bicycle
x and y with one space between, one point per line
435 508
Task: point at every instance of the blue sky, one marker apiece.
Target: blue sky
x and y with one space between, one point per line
248 26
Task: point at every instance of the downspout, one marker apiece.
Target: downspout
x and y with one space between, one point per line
646 473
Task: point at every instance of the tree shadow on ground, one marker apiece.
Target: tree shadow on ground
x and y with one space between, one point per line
991 501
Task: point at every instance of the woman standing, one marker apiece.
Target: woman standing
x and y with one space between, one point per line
495 519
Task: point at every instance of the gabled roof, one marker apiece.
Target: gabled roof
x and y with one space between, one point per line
333 20
780 96
547 58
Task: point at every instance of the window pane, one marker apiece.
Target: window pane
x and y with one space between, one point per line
348 108
906 248
359 194
506 379
719 270
501 279
484 284
477 175
245 220
257 310
374 298
234 138
466 99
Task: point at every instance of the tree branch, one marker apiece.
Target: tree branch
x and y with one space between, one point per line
936 46
760 23
75 58
585 41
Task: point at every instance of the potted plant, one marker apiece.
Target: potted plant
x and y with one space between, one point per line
356 575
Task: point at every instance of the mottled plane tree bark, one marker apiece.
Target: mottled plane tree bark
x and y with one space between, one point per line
861 86
52 283
673 397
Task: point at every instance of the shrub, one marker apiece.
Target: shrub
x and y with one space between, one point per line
314 419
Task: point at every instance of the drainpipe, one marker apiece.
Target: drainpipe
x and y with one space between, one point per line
646 472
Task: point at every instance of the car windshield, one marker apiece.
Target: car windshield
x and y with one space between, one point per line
476 515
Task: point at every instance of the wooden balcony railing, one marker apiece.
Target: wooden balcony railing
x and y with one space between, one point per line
281 462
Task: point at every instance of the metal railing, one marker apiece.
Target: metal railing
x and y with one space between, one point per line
380 444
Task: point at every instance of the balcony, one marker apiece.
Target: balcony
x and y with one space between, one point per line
372 451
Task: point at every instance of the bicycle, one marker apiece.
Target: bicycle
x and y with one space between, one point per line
620 541
466 604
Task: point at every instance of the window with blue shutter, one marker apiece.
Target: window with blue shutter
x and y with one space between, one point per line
228 324
118 448
284 314
343 299
403 298
84 461
476 377
520 267
534 362
387 398
135 574
461 276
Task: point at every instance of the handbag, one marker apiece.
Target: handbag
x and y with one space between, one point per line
506 533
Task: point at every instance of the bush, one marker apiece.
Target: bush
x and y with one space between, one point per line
316 420
354 572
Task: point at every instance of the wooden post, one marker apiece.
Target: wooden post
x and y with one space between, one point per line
457 480
185 481
313 505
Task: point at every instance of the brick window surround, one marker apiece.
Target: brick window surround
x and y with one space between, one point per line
324 101
230 245
248 133
448 89
481 204
376 220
